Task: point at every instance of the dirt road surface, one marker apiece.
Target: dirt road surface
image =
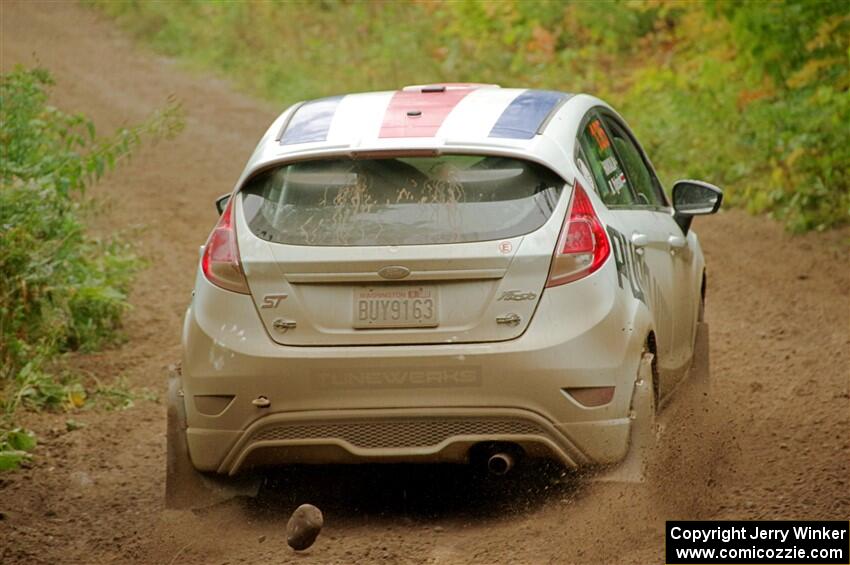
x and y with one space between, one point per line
779 446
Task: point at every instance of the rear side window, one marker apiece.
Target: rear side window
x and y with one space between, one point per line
608 173
647 187
400 201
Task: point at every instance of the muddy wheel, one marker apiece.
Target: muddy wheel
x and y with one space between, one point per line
643 435
700 372
185 486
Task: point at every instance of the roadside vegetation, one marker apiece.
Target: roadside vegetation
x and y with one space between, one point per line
61 289
752 96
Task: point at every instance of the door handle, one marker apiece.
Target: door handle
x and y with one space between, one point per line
640 239
676 242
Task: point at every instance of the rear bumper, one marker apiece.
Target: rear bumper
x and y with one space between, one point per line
401 435
409 403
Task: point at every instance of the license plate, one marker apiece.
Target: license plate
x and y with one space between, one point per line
395 307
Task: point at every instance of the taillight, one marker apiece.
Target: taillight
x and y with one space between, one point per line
220 262
582 246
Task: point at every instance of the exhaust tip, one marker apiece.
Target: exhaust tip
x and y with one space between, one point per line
500 463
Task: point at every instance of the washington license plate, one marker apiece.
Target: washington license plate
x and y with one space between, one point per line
395 307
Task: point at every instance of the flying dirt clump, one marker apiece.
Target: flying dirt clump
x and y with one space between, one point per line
303 527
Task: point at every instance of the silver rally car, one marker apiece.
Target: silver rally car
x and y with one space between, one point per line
444 273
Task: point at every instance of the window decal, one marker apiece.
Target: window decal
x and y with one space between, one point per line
610 165
617 182
599 135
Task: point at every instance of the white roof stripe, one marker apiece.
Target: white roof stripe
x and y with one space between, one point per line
477 113
359 117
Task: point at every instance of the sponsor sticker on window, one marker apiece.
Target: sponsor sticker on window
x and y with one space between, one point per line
598 133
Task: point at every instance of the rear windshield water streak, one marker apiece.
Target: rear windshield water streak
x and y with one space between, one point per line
400 201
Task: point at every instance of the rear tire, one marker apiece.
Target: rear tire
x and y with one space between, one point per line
700 372
643 433
691 440
182 480
186 487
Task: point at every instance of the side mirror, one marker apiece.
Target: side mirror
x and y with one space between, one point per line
221 203
694 198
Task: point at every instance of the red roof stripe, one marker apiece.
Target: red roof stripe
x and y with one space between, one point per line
434 107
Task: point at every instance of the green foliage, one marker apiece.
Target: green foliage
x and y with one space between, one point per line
72 425
15 445
768 84
750 95
119 395
60 288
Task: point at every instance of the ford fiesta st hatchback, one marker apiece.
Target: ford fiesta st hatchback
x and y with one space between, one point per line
441 273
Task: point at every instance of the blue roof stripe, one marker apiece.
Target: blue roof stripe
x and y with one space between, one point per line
311 121
526 113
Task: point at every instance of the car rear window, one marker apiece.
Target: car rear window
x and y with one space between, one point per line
400 201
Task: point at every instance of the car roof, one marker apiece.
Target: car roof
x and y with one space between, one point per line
445 117
469 111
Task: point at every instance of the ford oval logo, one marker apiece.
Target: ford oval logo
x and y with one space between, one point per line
394 272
